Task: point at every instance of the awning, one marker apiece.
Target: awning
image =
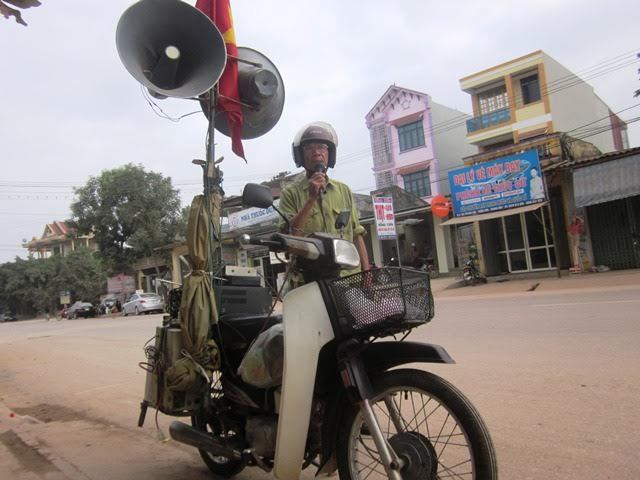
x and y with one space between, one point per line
604 182
496 214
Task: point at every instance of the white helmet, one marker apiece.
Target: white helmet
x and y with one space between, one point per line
315 132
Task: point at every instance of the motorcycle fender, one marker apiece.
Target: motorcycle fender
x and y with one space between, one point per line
380 356
307 328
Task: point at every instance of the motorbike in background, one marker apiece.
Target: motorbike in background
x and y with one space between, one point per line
471 275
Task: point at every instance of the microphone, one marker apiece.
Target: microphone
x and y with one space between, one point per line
319 168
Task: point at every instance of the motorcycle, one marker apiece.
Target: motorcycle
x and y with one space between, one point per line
471 275
342 404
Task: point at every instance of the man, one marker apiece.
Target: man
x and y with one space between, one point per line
536 185
314 201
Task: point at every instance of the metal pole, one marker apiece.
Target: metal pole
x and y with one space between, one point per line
398 249
555 238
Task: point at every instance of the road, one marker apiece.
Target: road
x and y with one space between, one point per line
555 375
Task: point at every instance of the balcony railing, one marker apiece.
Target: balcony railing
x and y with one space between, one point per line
488 119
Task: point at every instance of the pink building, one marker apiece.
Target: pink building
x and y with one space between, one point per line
415 142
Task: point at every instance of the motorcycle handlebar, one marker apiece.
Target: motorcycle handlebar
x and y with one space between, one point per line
270 244
309 248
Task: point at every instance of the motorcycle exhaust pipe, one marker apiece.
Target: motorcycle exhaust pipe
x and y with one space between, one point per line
183 433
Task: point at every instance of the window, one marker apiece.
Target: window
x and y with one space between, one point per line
492 100
380 145
530 89
418 183
411 135
384 179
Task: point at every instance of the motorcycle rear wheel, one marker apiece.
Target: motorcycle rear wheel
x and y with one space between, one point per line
441 434
218 465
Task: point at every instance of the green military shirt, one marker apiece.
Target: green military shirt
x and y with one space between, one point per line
337 198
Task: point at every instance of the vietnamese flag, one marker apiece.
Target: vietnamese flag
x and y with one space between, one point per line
219 11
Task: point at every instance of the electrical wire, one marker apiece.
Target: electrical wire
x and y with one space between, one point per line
559 84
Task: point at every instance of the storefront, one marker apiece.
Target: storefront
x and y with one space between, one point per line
417 238
503 216
606 195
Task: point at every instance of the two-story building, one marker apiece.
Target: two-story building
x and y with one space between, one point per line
526 105
414 142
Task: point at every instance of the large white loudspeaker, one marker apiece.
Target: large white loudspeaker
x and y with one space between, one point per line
171 48
261 92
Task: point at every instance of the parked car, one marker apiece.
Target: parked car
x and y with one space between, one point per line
7 317
107 303
143 303
81 309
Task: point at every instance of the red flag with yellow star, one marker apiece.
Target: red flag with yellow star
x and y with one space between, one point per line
219 11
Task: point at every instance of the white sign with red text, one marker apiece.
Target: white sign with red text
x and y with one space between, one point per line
385 218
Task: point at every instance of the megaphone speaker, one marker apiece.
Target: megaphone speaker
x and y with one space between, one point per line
261 92
170 47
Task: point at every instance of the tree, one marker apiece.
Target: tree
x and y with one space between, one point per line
130 211
34 285
7 11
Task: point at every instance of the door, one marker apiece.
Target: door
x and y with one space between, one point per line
615 233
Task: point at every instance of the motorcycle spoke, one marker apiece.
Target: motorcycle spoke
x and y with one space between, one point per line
373 465
450 473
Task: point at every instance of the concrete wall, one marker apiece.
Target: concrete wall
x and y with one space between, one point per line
450 145
576 106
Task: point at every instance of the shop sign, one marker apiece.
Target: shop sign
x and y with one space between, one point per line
253 216
506 182
385 218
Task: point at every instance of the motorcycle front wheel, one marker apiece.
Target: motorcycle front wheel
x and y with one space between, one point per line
432 427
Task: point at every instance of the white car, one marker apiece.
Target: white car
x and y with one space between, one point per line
143 303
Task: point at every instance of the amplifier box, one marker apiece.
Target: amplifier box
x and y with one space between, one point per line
247 300
242 276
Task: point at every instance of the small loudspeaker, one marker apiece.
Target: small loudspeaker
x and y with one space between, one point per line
171 48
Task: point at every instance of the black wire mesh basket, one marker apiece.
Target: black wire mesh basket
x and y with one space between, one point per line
382 301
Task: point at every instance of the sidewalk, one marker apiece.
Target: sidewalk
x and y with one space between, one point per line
547 282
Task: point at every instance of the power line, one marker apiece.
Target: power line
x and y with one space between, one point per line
560 84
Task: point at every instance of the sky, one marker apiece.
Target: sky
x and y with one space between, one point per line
69 109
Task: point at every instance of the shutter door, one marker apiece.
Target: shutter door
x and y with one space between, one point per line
612 226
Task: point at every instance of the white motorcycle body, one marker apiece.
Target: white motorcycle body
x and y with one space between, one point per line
307 328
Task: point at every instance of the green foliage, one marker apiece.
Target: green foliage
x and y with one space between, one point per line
130 211
34 285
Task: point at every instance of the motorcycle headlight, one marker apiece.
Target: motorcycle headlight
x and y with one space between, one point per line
345 253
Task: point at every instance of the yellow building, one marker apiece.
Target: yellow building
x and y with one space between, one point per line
534 95
530 103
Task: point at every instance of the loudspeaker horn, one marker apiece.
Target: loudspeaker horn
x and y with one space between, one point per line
261 92
171 48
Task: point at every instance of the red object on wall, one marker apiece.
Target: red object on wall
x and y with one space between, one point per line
440 206
576 227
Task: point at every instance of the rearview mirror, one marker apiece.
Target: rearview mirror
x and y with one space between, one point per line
255 195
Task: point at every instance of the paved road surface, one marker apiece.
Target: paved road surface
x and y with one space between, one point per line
555 375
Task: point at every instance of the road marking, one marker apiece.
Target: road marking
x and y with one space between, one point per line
582 303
